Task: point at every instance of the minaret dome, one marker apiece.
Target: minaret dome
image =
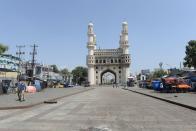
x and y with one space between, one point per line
90 24
125 23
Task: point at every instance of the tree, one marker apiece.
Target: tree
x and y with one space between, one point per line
159 73
139 76
65 72
190 58
3 48
55 68
79 74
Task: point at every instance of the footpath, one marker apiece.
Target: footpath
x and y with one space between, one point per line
10 101
187 100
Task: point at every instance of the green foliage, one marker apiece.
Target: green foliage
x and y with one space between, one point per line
3 48
190 58
175 71
159 73
138 76
79 74
55 68
65 72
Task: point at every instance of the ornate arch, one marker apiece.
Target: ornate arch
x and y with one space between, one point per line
108 70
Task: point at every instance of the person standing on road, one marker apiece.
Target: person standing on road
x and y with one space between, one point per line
21 90
116 85
113 84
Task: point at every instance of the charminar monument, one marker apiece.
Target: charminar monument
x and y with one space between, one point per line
114 61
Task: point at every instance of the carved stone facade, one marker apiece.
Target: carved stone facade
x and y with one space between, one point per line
101 61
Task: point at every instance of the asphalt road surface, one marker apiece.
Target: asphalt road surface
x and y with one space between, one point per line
101 109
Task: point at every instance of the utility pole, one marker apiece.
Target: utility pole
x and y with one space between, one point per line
33 53
19 53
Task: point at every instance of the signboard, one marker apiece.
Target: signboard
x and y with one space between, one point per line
8 74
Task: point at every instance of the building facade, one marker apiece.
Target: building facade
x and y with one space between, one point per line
42 72
100 61
9 62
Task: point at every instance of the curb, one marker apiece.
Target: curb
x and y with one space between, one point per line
166 100
42 102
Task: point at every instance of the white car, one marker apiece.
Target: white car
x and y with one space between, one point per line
70 85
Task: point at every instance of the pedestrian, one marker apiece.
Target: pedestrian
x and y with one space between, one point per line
21 90
116 85
113 84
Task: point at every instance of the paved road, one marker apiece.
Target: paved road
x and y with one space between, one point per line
106 108
10 101
187 99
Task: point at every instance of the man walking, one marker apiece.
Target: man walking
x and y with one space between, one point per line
21 90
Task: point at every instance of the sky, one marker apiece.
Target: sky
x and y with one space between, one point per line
158 29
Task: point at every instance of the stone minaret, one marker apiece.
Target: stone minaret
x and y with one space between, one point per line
124 45
124 41
91 45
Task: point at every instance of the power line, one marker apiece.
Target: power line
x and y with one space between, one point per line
19 53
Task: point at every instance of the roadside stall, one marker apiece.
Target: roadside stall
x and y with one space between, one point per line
8 80
175 84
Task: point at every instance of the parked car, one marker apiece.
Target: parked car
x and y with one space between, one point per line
87 84
70 85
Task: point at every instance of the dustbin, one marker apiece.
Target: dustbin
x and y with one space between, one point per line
5 86
157 85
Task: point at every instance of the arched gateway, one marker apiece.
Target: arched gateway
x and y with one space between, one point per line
115 62
108 77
